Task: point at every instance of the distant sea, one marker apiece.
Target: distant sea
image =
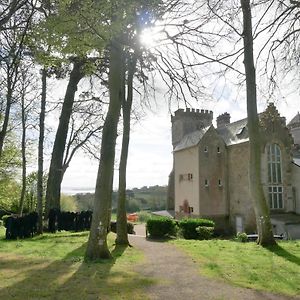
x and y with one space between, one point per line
73 191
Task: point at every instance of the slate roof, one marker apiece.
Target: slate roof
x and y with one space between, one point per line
234 133
295 120
191 139
296 161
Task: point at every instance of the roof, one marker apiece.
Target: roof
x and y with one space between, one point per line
234 133
296 161
295 120
191 139
164 213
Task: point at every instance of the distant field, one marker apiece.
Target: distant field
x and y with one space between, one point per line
276 269
51 267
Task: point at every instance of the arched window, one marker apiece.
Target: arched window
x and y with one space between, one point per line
274 176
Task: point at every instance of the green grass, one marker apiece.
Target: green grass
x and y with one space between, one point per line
51 266
276 269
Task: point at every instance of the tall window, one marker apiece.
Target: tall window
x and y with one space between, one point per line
274 176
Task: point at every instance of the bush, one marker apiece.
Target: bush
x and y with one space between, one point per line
241 237
4 218
161 227
188 227
144 216
204 232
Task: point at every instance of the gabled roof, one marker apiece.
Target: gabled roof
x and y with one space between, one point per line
295 120
296 161
234 133
191 139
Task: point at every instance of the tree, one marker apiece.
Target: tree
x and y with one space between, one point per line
263 222
85 128
10 8
40 172
56 164
97 243
11 53
25 87
9 165
122 237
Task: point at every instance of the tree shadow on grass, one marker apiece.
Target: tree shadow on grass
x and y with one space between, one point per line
279 251
71 277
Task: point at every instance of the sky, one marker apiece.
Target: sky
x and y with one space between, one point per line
150 150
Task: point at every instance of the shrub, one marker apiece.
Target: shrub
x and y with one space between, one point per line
241 237
188 227
205 232
4 218
144 216
1 223
161 227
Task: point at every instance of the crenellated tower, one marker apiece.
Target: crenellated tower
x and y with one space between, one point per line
187 121
184 122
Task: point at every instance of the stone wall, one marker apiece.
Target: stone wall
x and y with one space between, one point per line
240 202
212 175
296 187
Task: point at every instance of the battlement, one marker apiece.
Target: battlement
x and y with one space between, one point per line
187 121
192 112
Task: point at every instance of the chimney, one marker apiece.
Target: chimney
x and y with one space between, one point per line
223 120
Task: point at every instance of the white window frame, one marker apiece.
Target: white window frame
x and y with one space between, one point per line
274 170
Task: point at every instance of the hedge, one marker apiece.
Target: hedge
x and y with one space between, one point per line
204 232
160 227
188 227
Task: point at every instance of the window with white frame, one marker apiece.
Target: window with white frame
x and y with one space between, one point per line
275 189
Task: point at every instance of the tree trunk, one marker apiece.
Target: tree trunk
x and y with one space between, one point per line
7 114
23 151
263 222
55 170
97 243
40 173
122 236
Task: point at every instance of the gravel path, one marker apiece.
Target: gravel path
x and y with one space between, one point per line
178 278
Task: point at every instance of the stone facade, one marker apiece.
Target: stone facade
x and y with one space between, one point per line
210 176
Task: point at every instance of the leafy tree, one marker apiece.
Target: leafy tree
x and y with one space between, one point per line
68 203
9 164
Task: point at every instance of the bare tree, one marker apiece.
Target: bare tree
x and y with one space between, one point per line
56 164
263 222
11 54
40 172
10 8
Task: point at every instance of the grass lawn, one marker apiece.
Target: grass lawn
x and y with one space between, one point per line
51 267
276 269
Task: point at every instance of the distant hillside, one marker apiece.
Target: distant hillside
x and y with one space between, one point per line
146 198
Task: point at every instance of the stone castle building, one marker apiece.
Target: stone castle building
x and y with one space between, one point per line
210 172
